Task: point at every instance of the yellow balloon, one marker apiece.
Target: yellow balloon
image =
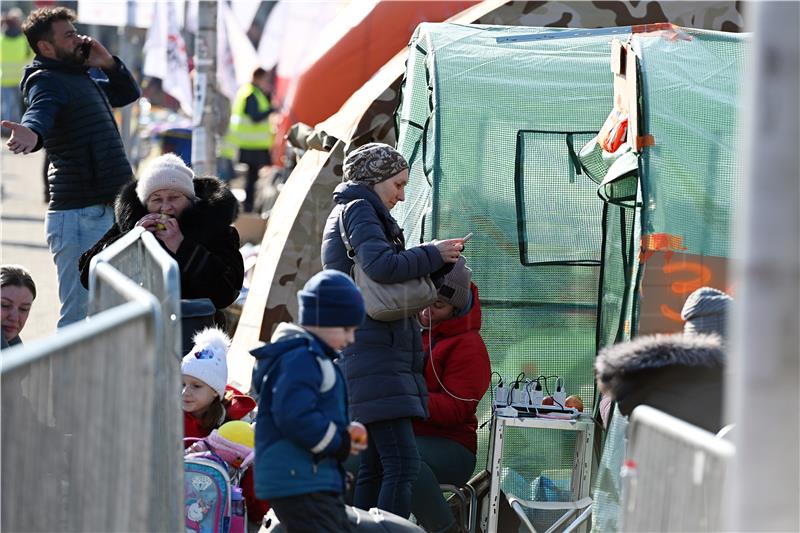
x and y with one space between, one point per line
239 432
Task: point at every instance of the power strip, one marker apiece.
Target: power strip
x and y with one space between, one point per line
545 410
526 398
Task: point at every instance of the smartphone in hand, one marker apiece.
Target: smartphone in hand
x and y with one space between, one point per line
86 49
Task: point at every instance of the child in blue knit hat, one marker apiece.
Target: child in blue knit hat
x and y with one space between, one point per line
303 432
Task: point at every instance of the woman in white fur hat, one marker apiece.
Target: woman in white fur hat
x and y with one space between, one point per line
191 217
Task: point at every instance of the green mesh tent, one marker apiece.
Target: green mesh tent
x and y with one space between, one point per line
497 124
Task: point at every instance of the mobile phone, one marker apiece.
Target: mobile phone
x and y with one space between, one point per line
86 49
467 237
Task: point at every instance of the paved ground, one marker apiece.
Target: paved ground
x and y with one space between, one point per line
22 241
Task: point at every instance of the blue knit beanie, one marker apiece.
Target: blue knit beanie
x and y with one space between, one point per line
330 299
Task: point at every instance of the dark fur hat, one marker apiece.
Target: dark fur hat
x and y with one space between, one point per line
618 365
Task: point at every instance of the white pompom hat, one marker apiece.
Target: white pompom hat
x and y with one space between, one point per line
166 171
208 359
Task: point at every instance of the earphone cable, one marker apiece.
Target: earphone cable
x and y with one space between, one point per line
429 327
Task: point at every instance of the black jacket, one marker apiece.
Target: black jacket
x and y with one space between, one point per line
72 114
681 375
209 259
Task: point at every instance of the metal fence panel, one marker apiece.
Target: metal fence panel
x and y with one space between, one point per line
674 475
77 446
139 257
91 419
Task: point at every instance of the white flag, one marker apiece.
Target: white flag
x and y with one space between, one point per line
292 30
244 11
233 69
165 55
192 12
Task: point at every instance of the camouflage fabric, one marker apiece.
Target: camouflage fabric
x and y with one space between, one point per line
724 16
373 163
289 255
295 258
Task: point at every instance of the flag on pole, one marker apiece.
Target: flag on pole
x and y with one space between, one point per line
166 57
233 69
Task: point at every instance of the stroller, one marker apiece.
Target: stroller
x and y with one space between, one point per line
213 471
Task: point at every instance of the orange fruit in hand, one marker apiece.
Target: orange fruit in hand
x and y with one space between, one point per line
574 401
358 435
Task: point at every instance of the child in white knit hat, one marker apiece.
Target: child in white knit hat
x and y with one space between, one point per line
208 401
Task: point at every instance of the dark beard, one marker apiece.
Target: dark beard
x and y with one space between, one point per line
74 57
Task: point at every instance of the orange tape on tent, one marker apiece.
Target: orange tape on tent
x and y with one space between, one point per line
350 62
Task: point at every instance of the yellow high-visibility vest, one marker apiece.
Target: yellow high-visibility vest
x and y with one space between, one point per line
245 133
225 148
14 55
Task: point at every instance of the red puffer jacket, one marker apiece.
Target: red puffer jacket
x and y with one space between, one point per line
462 367
240 404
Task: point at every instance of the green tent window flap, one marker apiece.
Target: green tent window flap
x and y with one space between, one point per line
413 110
558 214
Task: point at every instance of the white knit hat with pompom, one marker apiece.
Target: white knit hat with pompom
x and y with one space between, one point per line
207 361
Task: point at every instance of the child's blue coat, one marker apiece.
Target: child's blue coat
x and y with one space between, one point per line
302 416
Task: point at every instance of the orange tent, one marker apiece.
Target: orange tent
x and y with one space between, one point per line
367 41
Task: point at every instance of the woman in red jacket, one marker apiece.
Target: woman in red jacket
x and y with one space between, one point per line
208 401
457 374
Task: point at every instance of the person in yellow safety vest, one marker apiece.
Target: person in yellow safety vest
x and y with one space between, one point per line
250 129
14 55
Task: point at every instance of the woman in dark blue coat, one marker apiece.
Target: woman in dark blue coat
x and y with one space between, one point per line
384 367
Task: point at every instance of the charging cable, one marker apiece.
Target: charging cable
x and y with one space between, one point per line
559 390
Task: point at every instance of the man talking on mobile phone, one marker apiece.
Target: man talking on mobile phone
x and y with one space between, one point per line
69 113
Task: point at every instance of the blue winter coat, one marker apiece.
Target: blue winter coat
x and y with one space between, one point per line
385 366
302 416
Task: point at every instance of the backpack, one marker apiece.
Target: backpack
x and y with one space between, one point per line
207 493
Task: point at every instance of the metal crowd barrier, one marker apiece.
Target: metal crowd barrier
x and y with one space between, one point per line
140 257
91 420
674 475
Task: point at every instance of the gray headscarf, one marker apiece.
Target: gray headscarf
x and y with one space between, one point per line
373 163
705 311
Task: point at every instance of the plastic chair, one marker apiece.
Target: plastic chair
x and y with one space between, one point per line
469 500
582 506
